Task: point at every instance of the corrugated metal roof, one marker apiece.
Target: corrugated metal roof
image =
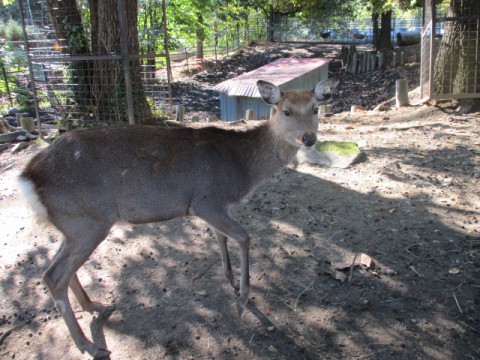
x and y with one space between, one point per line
278 72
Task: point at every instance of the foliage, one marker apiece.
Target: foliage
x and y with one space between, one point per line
11 30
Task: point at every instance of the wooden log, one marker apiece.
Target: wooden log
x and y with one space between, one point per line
401 90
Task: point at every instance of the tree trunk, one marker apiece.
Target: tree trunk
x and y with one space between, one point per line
274 19
67 22
375 30
200 33
109 82
455 67
384 38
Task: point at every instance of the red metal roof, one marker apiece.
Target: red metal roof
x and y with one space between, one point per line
278 72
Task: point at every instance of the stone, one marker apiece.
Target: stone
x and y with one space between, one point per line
336 154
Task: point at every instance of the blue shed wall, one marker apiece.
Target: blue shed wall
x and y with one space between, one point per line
233 108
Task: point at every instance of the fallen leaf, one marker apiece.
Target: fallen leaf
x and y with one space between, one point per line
271 328
201 293
364 260
454 270
272 348
340 276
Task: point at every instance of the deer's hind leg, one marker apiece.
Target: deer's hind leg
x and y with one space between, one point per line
82 236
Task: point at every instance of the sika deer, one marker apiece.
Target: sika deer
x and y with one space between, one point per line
90 179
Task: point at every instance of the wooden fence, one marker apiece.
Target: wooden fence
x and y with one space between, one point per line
364 61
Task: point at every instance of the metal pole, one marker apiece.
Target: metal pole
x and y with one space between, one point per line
30 69
433 5
126 61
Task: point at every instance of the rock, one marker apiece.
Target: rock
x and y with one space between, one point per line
333 154
13 111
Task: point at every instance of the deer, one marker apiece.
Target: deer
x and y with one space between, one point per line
88 180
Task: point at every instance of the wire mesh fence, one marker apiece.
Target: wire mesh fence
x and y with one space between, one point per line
81 77
451 58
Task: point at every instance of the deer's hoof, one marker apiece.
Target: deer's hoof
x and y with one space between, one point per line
241 304
102 354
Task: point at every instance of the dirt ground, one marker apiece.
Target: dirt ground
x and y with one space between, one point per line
413 207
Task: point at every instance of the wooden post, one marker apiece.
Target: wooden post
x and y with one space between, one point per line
394 60
380 60
250 115
401 87
27 124
180 113
402 58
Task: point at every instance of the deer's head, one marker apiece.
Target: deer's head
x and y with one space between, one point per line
296 117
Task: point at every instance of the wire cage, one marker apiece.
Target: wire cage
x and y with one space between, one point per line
450 51
78 83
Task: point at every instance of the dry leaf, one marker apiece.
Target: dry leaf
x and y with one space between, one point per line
454 270
364 260
340 276
201 293
272 348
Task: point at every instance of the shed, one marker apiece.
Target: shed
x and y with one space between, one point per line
241 93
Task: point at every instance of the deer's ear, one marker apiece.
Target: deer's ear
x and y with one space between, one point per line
269 92
323 90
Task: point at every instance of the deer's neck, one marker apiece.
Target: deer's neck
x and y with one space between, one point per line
266 152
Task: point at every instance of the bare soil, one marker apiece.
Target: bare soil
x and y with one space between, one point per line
413 207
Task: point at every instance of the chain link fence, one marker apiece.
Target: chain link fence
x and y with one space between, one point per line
450 60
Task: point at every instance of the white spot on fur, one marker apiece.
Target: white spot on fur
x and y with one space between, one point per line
77 154
27 188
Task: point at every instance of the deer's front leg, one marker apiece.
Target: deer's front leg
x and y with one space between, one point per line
227 266
226 226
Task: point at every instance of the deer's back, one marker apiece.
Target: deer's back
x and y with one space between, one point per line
140 173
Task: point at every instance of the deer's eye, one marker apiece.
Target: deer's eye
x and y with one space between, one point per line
286 113
315 110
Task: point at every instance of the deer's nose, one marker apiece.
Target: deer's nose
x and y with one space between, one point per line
309 139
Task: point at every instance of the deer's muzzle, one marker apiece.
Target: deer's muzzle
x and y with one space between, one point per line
309 139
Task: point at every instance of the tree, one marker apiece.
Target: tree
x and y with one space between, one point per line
101 83
381 34
456 62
